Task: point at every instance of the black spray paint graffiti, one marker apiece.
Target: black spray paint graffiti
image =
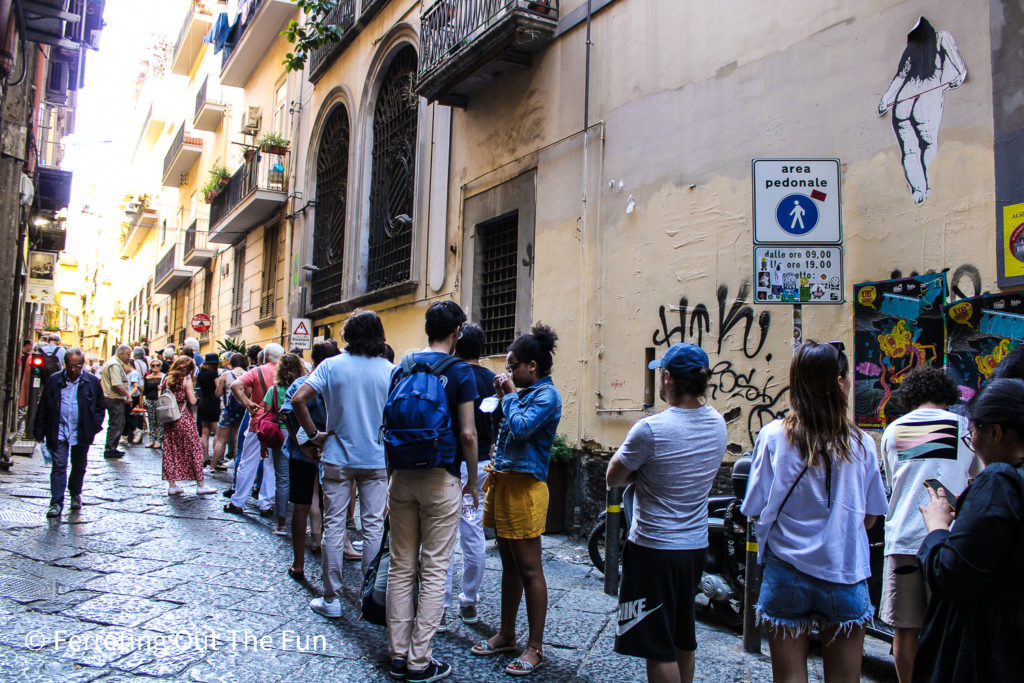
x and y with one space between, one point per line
726 383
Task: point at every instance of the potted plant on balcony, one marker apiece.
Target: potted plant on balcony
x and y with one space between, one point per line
145 202
539 6
249 153
272 143
558 481
210 190
221 175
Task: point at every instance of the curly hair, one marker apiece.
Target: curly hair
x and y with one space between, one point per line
183 366
538 346
288 369
926 384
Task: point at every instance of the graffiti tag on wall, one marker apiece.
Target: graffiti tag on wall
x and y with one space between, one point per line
763 398
980 332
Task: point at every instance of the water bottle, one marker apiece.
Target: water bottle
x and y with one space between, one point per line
469 510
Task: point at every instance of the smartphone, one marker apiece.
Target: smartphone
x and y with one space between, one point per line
936 485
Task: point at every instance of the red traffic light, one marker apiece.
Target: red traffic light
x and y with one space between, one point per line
37 360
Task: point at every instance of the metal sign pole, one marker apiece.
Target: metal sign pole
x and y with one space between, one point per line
612 531
751 591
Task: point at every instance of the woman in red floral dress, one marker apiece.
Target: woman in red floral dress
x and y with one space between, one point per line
183 452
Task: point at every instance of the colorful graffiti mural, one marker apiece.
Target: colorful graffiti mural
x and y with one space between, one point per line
898 326
979 333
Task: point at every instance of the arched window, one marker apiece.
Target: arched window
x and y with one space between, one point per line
331 191
392 175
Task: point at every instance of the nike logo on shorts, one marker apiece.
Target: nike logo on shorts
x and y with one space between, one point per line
632 613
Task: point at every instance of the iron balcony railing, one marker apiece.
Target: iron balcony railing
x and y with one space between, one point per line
190 238
201 97
449 25
263 172
165 265
344 17
196 8
236 35
179 140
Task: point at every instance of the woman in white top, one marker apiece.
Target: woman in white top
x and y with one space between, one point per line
815 489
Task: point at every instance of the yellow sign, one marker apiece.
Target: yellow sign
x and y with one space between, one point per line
1013 240
867 296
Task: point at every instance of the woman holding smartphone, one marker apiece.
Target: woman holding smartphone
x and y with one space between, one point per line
815 489
516 498
973 628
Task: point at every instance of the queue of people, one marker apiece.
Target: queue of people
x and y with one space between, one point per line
438 447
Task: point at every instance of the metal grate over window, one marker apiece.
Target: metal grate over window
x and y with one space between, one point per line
331 195
237 286
392 174
268 288
499 251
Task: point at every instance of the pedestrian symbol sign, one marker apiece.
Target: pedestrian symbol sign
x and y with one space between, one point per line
302 337
796 201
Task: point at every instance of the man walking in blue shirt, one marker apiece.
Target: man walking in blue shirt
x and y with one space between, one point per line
70 415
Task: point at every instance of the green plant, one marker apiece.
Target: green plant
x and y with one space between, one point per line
561 451
220 171
314 33
231 345
272 140
211 187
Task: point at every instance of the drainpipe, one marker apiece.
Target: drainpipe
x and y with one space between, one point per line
296 110
583 241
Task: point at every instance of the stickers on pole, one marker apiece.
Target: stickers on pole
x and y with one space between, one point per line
796 201
798 275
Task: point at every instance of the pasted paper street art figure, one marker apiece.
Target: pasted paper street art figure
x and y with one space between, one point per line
930 65
979 333
898 326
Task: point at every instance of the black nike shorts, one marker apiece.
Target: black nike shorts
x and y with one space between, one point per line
656 592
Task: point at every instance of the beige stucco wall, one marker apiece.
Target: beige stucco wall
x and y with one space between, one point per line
684 96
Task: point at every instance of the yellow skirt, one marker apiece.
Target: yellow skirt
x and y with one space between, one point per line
515 504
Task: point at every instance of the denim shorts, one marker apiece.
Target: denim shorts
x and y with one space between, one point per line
798 602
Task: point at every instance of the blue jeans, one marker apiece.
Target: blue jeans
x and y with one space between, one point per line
243 427
59 471
281 481
797 602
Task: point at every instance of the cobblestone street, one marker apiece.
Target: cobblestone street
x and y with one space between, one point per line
138 585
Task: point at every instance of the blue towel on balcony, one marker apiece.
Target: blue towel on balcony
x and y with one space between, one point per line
218 34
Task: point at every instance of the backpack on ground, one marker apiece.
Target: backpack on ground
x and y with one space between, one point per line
267 429
167 408
373 605
417 427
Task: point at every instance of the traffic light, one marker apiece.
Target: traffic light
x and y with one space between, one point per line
37 364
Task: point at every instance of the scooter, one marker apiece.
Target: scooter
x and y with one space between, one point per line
724 578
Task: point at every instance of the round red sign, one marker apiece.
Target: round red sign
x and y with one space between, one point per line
201 322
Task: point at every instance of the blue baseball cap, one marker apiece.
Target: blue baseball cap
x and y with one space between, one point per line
681 359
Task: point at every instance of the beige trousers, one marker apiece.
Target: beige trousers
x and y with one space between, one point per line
424 511
336 483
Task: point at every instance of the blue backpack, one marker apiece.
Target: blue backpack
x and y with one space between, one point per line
417 427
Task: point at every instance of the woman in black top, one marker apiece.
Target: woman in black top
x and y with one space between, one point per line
208 408
973 628
150 392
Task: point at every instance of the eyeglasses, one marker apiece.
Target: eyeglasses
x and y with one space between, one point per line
968 438
512 366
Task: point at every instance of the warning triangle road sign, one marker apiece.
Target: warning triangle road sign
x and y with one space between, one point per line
301 328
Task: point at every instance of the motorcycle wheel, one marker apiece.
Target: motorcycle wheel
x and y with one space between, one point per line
595 546
729 612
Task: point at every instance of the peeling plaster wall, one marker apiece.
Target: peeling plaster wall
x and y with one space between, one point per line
688 95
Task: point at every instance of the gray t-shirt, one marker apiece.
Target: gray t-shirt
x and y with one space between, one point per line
677 454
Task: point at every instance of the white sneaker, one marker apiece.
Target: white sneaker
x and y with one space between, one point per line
331 610
175 491
204 490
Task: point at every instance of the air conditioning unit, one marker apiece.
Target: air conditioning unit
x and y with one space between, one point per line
251 123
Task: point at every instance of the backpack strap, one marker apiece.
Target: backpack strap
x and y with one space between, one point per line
409 364
443 364
263 384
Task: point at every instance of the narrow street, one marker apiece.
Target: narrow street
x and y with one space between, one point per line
137 585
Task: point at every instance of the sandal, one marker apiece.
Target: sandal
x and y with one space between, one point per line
233 509
521 667
297 574
485 649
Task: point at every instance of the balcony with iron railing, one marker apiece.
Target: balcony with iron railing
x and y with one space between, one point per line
350 17
256 190
264 21
140 217
210 107
197 253
170 273
465 44
190 39
182 155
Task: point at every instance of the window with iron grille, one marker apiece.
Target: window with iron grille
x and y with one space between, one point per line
268 287
331 196
237 286
392 174
497 281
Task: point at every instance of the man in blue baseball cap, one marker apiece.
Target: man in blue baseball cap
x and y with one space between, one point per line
671 458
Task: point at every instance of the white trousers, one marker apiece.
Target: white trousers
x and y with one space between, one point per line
473 544
245 477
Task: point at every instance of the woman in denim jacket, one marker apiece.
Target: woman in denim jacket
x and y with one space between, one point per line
516 498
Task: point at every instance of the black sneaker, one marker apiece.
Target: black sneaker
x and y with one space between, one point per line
228 493
435 671
399 668
116 455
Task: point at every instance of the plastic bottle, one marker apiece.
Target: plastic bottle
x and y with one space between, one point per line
469 511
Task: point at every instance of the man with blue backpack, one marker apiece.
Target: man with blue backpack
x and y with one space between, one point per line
429 430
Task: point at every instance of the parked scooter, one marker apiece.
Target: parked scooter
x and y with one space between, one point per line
724 578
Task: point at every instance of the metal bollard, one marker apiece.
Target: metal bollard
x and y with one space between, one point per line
612 533
751 591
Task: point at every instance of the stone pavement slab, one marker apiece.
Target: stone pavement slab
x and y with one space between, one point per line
139 586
